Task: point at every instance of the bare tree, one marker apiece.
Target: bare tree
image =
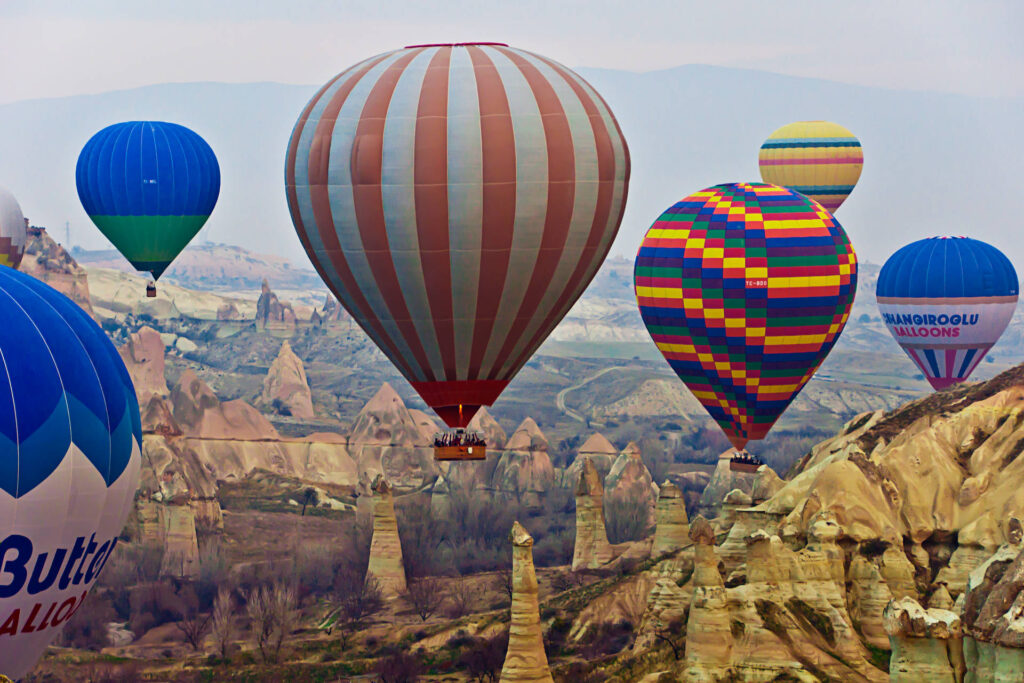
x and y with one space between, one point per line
261 612
286 615
274 615
463 597
223 620
426 596
673 634
504 580
193 623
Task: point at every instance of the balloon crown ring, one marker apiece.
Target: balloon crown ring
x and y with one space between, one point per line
409 47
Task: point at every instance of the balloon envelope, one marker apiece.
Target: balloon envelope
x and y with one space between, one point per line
745 288
149 186
947 300
820 159
70 440
457 199
12 230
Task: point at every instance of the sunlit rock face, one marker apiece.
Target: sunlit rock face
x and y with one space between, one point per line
629 482
672 526
525 660
599 450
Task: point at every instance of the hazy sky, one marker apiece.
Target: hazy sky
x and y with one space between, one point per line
52 48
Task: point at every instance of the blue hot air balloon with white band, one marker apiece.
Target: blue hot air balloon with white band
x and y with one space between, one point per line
947 300
70 452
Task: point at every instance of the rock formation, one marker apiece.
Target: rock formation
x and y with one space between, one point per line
592 547
386 438
200 413
925 643
766 484
672 527
271 313
228 311
993 613
600 451
524 470
386 563
629 484
143 356
525 659
723 480
709 638
867 598
285 388
48 261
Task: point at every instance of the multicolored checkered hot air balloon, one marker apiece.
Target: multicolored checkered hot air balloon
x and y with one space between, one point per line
745 288
13 231
457 199
149 186
947 300
820 159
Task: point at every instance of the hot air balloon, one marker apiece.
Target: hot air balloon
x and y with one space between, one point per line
947 300
457 199
745 288
70 451
817 158
12 230
149 186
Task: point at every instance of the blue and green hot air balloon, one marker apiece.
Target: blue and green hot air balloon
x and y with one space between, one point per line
149 186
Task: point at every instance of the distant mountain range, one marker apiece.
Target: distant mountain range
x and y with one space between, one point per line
934 164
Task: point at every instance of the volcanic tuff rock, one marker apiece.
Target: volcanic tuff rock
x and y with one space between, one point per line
672 527
385 547
723 480
46 260
386 438
708 635
271 312
285 388
525 659
143 356
599 450
524 470
630 481
926 644
198 410
592 548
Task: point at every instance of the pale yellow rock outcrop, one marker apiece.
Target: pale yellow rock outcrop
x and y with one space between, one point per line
592 549
525 659
672 526
386 547
709 640
867 599
599 450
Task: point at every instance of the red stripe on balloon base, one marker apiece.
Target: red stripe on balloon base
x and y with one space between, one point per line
446 397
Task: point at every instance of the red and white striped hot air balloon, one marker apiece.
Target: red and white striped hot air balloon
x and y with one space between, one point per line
457 199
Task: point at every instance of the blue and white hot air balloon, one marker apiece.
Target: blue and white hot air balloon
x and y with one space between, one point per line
947 300
70 450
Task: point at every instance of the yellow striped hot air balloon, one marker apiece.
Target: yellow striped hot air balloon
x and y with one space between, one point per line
820 159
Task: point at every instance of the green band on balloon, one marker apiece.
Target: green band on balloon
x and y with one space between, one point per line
149 238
